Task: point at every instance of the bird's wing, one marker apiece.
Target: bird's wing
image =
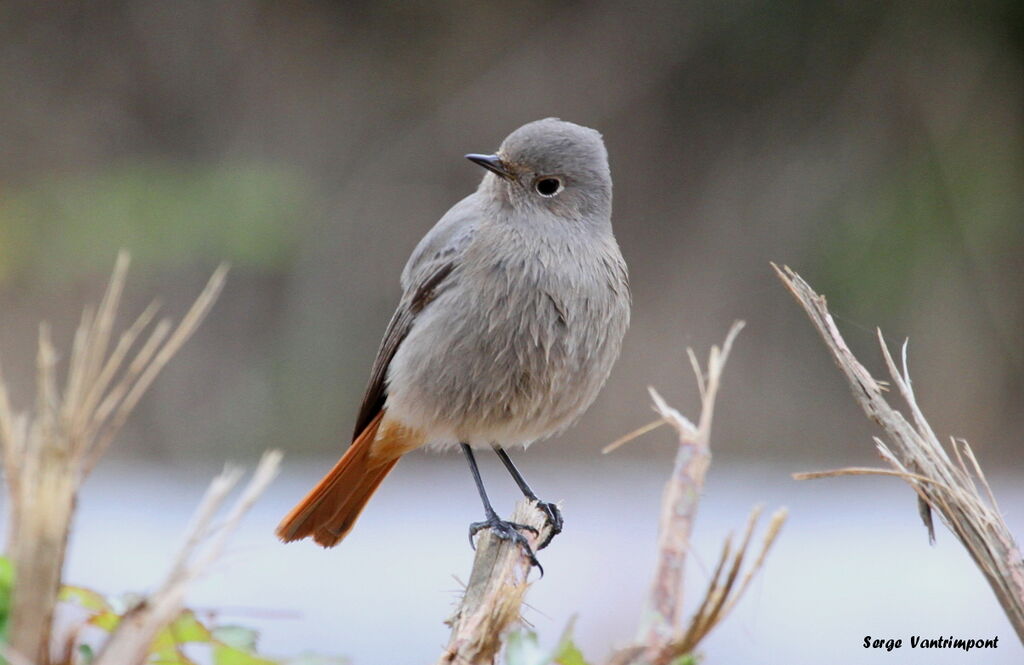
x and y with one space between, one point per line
398 329
433 260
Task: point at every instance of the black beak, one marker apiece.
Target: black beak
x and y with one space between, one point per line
492 163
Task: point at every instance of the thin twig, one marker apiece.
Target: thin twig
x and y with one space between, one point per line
204 543
635 434
175 341
866 471
721 597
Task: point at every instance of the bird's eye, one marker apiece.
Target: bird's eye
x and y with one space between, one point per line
547 186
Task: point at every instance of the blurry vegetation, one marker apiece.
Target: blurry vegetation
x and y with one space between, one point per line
50 449
89 617
952 210
523 648
869 143
59 228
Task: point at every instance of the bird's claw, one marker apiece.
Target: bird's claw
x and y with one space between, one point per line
510 531
553 517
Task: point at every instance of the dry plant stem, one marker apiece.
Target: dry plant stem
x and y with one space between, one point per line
38 538
681 499
49 452
492 600
130 642
662 637
916 454
723 592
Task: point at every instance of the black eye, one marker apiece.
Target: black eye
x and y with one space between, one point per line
548 186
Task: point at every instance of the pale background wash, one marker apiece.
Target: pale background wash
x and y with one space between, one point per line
853 560
877 147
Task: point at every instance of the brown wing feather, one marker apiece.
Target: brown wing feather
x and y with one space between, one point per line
398 328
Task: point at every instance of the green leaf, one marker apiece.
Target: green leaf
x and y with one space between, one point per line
83 597
522 648
228 655
6 573
6 584
685 659
168 656
163 644
105 620
186 628
85 654
569 654
238 637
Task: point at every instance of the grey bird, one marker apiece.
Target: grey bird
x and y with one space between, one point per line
513 311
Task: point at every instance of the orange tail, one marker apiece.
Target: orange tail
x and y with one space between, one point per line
330 509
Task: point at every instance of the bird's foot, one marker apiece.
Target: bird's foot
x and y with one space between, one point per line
553 517
510 531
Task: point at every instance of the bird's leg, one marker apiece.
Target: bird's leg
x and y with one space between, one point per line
550 510
503 529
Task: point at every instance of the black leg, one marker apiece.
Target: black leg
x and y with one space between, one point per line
501 528
554 516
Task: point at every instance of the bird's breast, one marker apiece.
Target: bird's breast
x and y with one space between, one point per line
515 347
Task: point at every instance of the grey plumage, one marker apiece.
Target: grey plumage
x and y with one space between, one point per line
514 304
513 309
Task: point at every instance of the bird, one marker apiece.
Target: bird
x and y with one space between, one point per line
513 311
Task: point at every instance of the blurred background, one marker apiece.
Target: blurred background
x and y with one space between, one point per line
875 147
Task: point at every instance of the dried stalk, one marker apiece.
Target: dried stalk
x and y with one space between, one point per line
662 637
48 453
39 530
723 592
915 453
492 600
131 640
681 499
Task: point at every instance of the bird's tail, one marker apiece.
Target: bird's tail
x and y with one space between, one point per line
330 509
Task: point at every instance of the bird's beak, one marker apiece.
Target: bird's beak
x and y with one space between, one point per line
492 163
